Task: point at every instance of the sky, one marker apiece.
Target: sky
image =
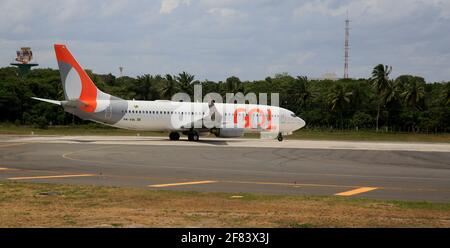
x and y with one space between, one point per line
250 39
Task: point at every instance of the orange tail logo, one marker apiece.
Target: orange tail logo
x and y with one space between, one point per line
80 88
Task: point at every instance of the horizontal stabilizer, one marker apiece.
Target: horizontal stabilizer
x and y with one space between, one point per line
48 100
75 104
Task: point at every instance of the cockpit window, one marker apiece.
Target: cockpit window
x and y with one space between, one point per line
293 115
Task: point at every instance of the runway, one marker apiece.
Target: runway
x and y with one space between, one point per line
378 170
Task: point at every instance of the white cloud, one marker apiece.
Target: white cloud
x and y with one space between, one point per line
303 58
22 29
316 8
167 6
214 38
113 8
223 12
376 10
70 10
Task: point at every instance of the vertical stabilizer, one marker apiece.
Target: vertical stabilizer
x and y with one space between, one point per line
76 83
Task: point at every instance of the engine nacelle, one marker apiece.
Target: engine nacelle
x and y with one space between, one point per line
228 132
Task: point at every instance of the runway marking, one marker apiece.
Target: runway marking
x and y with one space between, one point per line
356 191
237 197
180 184
50 177
293 184
66 155
9 145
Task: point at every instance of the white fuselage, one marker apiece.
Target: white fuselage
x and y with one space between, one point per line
179 116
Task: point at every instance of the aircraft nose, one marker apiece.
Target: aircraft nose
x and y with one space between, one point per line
301 122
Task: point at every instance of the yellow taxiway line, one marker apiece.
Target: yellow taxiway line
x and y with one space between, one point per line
356 191
50 177
180 184
292 184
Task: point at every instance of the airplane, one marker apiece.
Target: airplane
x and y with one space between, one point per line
230 120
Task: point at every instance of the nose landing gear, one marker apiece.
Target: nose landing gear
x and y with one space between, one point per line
280 137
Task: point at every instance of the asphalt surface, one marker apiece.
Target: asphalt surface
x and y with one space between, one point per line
397 171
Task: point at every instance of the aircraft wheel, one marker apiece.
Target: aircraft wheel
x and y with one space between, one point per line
174 136
193 136
280 137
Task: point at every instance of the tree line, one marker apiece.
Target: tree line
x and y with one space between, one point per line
404 104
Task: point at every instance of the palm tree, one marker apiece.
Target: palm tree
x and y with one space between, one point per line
300 93
414 93
380 82
359 96
185 80
392 93
170 87
445 95
338 99
233 84
392 96
145 89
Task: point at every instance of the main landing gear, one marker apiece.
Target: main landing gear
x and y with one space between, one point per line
193 136
174 136
280 137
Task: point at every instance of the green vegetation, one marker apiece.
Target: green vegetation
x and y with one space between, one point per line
53 205
404 104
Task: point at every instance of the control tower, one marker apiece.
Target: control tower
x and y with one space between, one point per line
24 60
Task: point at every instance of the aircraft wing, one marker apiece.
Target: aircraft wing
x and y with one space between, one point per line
211 118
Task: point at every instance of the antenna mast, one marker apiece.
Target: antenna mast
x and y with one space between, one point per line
347 48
